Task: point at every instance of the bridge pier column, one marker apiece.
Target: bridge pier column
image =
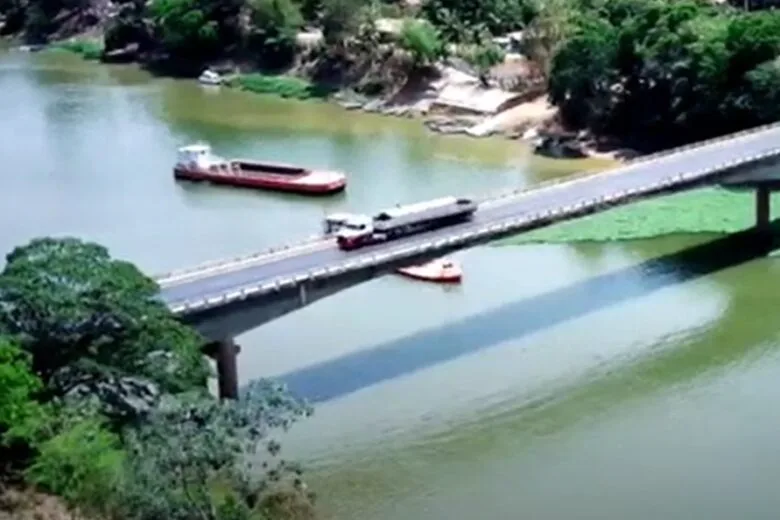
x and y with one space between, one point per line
763 208
302 294
225 353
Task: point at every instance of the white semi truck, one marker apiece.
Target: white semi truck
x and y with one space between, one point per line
353 230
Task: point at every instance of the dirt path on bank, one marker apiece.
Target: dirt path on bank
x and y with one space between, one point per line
519 117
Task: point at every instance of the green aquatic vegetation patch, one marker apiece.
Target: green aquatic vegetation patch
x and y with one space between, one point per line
709 210
87 49
284 86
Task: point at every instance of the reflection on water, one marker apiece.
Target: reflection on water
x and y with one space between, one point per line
357 370
506 451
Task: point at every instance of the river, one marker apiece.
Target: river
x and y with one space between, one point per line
587 380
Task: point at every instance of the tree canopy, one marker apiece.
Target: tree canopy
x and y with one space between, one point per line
94 325
103 399
187 446
20 412
668 72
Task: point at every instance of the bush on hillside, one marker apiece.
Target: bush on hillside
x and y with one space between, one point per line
422 40
82 462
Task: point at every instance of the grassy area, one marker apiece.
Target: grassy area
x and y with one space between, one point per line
710 210
87 49
283 86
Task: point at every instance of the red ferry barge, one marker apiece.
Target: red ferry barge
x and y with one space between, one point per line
197 163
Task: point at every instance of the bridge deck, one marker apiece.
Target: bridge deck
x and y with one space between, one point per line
712 156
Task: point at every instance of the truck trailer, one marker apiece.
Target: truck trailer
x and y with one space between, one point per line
354 231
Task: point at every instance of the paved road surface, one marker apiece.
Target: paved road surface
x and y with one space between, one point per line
324 254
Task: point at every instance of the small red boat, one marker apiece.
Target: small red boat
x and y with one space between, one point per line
197 163
440 271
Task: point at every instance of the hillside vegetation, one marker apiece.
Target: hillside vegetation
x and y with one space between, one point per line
104 408
658 72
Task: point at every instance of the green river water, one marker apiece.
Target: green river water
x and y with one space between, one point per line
587 371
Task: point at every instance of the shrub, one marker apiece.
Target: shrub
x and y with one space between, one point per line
421 39
82 463
283 86
18 385
201 458
481 56
87 49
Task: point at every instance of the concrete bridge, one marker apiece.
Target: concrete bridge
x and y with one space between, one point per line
224 299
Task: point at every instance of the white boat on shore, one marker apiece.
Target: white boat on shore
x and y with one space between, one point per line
209 77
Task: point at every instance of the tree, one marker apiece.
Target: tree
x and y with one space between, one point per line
667 72
340 19
128 27
81 461
18 384
201 458
20 413
465 20
422 40
95 326
276 24
14 13
187 28
762 95
582 74
547 31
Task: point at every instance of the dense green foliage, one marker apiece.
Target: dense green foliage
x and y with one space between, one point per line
87 49
189 28
80 461
93 325
19 388
660 72
283 86
104 399
668 72
422 40
469 20
275 25
198 456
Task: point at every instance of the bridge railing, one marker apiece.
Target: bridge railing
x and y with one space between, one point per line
628 164
489 230
177 274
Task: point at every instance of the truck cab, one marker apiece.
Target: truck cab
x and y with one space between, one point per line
334 222
354 231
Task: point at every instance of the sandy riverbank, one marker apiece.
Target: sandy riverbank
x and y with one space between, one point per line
454 102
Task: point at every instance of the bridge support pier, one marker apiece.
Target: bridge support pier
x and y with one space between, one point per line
302 294
225 353
763 208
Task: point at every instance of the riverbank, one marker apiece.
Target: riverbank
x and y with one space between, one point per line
454 102
446 98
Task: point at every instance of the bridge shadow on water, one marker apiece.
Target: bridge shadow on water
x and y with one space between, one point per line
351 372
